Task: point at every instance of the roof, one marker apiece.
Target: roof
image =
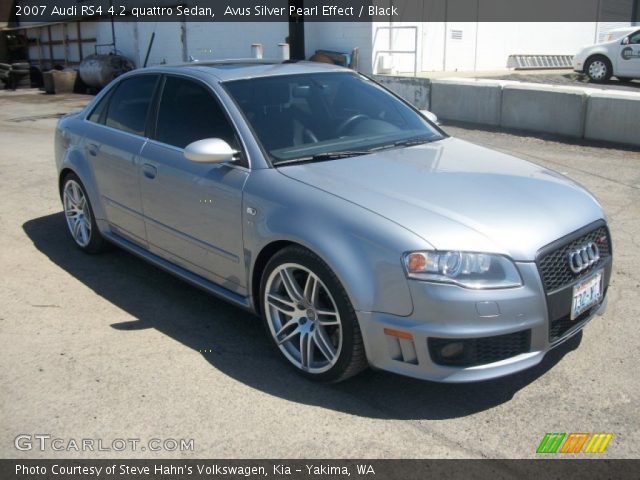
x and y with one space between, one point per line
237 69
624 29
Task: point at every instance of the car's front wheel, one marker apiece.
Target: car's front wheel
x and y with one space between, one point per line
599 69
79 215
309 316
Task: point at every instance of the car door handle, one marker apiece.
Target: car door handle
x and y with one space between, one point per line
149 171
92 148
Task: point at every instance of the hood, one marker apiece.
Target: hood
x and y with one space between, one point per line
459 196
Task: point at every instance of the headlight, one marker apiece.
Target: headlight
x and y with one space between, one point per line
467 269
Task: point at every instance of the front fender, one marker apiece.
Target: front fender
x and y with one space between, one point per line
362 248
599 50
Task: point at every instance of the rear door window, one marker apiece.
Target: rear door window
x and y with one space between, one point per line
129 104
98 113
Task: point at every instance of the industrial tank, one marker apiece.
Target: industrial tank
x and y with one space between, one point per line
98 70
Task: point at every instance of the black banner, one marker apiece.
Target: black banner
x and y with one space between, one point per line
323 10
318 469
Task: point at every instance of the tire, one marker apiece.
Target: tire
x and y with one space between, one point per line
598 68
79 216
303 304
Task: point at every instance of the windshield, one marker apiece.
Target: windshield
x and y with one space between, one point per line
616 35
326 116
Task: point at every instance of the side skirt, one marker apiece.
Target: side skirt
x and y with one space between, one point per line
187 276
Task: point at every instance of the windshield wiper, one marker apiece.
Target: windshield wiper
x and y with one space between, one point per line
412 141
320 157
405 143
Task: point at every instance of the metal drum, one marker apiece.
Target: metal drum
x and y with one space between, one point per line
98 70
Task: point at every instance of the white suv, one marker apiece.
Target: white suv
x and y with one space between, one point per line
618 56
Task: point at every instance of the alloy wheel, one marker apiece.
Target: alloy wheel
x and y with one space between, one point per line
303 318
77 213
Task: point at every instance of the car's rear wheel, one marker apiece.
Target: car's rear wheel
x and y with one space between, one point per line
599 69
309 316
79 216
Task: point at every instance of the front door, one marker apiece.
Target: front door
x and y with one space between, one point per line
193 211
629 57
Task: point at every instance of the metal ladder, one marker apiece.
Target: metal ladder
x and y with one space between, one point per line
532 62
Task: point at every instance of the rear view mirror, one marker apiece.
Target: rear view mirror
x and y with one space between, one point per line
209 150
430 116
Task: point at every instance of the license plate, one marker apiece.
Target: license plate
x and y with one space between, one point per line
586 294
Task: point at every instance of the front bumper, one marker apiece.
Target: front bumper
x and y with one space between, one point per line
493 322
578 64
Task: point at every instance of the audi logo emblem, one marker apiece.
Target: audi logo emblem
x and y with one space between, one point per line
584 257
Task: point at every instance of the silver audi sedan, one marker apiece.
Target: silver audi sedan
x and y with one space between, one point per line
354 226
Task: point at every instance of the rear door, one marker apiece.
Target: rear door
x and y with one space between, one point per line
629 57
192 210
115 136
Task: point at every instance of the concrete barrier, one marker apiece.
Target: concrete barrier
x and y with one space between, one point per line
575 111
544 108
414 90
613 117
466 101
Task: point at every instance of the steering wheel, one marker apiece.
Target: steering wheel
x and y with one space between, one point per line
350 122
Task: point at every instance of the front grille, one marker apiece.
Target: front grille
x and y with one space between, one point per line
554 266
478 351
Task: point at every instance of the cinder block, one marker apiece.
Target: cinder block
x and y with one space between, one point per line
466 101
613 117
544 108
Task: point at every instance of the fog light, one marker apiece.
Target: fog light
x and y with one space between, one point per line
451 350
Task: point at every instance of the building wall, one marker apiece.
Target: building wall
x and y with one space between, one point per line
341 37
71 52
470 46
233 40
450 46
496 41
176 42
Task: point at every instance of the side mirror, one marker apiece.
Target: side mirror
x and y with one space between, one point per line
209 150
625 41
430 116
